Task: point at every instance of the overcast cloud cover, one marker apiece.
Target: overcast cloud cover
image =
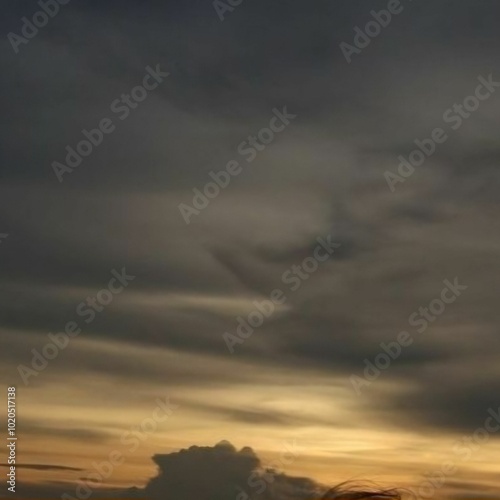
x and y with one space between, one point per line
323 175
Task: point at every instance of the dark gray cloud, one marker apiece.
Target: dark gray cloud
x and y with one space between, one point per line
35 428
223 472
44 467
323 175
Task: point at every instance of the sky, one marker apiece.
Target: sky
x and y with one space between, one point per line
369 279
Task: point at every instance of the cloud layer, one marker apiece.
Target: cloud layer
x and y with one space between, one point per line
323 175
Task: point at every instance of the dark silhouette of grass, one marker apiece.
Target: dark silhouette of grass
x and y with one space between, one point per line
350 490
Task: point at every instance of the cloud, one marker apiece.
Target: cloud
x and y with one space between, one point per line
223 472
323 175
44 467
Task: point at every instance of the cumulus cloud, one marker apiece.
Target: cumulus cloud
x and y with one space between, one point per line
224 473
